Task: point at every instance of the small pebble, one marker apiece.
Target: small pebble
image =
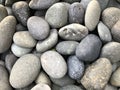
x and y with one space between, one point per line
55 87
40 13
20 27
2 63
110 87
53 64
71 1
9 10
71 87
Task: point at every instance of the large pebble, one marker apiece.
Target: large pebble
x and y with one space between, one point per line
38 27
3 12
7 29
57 15
71 87
116 31
97 74
43 78
24 39
49 42
110 16
115 78
110 87
10 60
19 51
4 79
111 51
76 13
89 48
66 80
54 64
41 4
73 32
92 15
104 32
67 47
41 87
75 67
25 71
21 11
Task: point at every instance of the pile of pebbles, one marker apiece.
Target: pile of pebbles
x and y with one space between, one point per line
59 44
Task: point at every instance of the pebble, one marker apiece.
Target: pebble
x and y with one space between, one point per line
40 13
104 32
38 27
10 2
7 29
74 32
71 87
21 11
4 79
115 79
66 80
3 12
116 31
113 3
43 78
25 71
41 87
97 74
110 16
75 67
41 4
71 1
92 15
2 63
24 39
57 15
67 47
89 48
53 64
10 60
55 87
9 10
76 13
20 27
110 87
49 42
111 51
19 51
2 2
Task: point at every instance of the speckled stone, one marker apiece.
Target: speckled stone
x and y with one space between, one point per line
97 74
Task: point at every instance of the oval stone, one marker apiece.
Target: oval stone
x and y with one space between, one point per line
89 48
67 47
7 29
24 39
92 15
53 64
25 71
38 27
73 32
97 74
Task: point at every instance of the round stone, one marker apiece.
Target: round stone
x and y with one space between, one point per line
104 32
24 39
53 64
71 87
57 15
92 15
111 51
67 47
49 42
3 12
97 74
41 4
41 87
66 80
38 27
19 51
21 11
75 67
76 13
116 31
25 71
115 79
89 48
110 16
7 29
74 32
110 87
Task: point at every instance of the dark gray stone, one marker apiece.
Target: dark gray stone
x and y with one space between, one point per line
20 27
40 13
89 48
75 67
71 1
